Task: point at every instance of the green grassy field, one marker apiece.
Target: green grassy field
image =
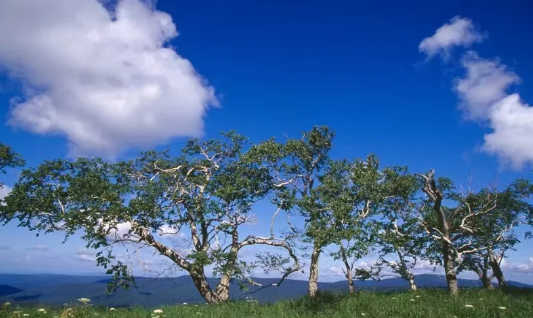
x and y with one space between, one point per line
425 303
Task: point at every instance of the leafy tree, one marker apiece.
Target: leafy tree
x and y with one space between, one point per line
209 191
479 264
494 232
461 230
9 159
400 232
297 165
445 225
347 197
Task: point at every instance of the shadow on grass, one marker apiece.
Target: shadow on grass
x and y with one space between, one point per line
518 291
323 301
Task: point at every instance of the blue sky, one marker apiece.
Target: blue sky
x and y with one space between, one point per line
275 67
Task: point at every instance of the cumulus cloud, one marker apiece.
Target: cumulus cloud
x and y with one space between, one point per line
523 268
484 97
458 32
485 83
103 79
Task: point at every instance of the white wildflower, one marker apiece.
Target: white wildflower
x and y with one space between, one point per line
469 306
158 311
41 310
502 308
112 309
411 299
84 300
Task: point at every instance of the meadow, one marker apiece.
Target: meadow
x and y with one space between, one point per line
426 303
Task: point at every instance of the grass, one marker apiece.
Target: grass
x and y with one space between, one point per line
424 303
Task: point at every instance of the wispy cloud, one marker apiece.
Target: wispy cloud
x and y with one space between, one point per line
86 257
484 96
39 247
459 32
104 80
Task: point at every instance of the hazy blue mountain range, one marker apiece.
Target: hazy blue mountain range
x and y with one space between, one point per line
52 289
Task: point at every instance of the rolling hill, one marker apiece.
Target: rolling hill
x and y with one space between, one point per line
152 292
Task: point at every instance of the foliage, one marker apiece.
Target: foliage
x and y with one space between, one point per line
208 191
9 159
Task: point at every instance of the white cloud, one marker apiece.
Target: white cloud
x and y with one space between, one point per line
485 83
337 271
103 79
523 268
512 136
39 247
484 97
86 257
167 230
117 231
459 32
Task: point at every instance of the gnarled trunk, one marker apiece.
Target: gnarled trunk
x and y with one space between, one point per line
497 270
222 289
313 271
200 281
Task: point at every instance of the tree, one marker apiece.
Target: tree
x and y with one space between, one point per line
347 197
297 165
400 233
447 226
479 264
461 230
494 232
9 159
208 191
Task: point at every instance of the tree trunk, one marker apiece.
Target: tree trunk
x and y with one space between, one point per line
313 271
348 272
449 268
412 285
487 284
404 271
497 270
447 249
200 281
484 277
222 289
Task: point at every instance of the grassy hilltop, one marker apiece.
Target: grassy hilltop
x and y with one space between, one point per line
430 303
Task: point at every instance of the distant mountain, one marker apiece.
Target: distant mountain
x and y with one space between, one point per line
153 292
6 290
